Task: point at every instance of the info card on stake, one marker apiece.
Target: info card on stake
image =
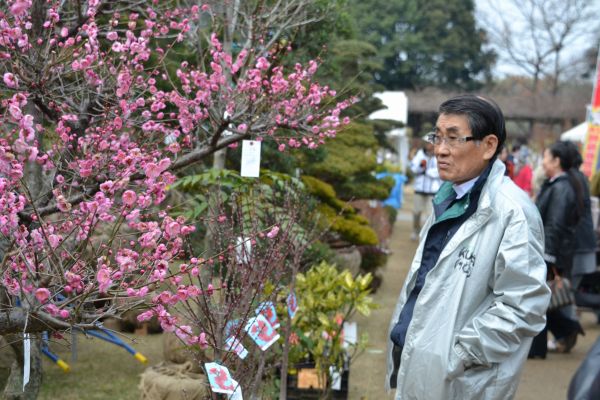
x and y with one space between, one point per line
250 158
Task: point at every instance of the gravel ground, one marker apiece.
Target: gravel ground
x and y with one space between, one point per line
542 379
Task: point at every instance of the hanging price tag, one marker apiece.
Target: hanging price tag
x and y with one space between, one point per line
220 379
350 332
243 250
267 309
250 158
292 304
261 331
237 395
235 345
336 378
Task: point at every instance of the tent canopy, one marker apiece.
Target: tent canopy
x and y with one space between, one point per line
396 106
576 134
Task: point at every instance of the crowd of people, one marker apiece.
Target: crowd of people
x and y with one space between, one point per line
475 303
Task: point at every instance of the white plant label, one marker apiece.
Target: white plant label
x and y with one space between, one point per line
26 359
250 158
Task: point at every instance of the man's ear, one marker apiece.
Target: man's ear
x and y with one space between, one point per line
490 144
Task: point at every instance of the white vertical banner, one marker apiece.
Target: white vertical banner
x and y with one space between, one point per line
26 359
250 158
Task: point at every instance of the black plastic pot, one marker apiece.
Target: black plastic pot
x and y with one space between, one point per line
296 393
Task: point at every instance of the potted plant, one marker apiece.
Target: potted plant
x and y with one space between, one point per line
320 351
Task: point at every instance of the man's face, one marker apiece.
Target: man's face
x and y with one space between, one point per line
464 160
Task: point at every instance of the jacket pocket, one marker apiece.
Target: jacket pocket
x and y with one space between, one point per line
420 369
474 383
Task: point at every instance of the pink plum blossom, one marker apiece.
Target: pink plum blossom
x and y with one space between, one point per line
145 316
273 232
129 197
42 294
10 80
52 309
202 341
104 280
114 163
19 7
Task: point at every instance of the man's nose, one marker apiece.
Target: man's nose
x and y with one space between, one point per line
441 149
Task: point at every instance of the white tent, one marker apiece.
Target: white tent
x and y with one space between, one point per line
396 106
396 109
576 134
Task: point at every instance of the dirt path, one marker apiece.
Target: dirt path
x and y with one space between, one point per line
542 379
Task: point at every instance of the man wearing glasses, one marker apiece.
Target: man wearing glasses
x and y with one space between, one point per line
476 293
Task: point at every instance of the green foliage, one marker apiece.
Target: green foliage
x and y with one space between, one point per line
327 298
200 187
352 152
425 42
348 163
332 23
322 190
264 201
389 167
318 252
372 257
341 217
349 67
366 187
352 228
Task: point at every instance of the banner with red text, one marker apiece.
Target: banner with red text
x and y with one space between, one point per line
591 161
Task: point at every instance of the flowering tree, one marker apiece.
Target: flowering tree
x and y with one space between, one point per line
260 237
96 122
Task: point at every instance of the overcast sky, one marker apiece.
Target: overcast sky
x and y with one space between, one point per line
489 18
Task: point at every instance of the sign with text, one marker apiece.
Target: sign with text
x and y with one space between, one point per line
591 161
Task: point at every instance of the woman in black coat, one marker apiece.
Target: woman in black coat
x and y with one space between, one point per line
561 204
584 260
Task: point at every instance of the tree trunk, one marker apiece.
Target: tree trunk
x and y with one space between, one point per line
219 159
14 386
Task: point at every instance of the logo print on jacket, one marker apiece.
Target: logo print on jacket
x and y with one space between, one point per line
465 262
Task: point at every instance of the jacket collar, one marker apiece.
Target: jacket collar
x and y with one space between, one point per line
459 206
484 209
492 184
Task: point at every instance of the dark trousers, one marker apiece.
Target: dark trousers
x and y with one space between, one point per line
539 346
396 354
560 326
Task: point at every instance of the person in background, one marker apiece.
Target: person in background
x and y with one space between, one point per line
584 260
476 292
595 185
539 177
508 164
427 183
561 205
524 174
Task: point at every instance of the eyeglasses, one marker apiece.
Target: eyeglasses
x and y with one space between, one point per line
451 141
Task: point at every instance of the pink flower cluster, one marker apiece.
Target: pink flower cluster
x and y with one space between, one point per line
106 129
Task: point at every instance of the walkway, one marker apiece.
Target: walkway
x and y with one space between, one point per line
542 379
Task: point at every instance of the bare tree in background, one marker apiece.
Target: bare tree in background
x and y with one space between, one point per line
536 35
